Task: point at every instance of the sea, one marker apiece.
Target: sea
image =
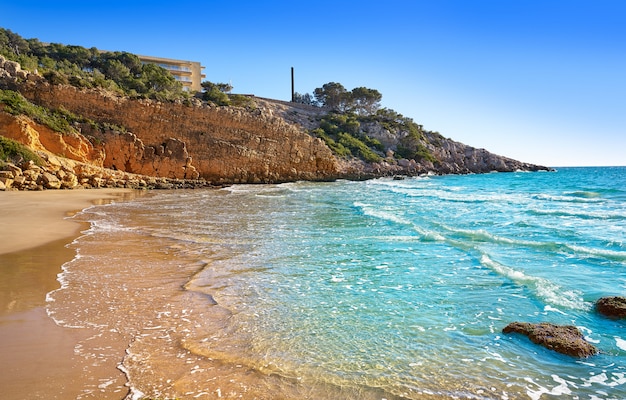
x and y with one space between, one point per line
378 289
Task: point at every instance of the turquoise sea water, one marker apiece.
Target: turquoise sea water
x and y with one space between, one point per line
377 289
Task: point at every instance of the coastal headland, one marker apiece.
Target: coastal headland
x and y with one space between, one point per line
266 141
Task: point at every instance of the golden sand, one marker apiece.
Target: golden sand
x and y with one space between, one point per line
30 219
37 357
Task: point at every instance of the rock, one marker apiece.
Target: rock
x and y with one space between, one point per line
17 171
69 181
50 181
565 339
7 183
612 307
19 181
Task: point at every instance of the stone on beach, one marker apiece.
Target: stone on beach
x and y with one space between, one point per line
565 339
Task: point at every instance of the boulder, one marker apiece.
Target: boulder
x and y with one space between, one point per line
565 339
20 181
6 175
17 171
50 181
69 181
612 307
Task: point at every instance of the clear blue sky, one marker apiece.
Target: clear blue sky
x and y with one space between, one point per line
541 81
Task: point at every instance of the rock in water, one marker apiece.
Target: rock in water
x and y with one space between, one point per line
612 307
565 339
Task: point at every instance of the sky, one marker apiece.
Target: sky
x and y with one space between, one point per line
540 81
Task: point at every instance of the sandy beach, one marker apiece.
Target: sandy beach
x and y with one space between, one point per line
30 219
37 356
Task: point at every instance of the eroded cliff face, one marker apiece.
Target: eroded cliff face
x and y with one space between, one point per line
220 144
41 138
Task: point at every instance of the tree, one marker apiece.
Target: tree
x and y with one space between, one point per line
332 95
157 78
361 100
365 101
215 92
13 42
116 71
304 99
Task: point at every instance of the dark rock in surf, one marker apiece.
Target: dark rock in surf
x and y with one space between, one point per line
565 339
612 307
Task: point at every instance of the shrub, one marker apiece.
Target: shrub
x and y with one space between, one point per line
12 151
57 120
358 148
239 100
337 148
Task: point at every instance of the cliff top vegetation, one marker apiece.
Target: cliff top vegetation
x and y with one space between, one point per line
119 72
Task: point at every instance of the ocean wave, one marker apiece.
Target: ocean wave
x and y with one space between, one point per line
390 216
589 215
451 196
594 252
567 198
371 211
542 287
450 193
483 236
584 194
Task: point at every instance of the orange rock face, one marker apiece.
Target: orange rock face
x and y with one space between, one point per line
40 137
220 144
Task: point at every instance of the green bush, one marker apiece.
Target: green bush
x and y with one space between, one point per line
239 100
336 148
12 151
58 120
358 148
342 134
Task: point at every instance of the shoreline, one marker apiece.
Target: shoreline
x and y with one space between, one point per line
37 355
33 218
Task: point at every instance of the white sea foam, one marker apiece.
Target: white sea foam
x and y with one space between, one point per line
609 254
391 216
567 199
369 210
544 288
616 379
621 343
552 309
561 389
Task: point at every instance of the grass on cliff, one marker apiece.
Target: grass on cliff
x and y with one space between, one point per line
58 120
15 152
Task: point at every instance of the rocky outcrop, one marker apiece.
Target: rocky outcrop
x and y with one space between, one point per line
223 144
612 307
41 138
124 151
458 158
63 173
565 339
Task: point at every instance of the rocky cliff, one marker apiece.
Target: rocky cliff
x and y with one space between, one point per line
265 142
176 140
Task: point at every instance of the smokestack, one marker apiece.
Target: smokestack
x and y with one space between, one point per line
293 93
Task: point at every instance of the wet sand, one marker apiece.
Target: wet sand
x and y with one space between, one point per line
37 357
31 219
